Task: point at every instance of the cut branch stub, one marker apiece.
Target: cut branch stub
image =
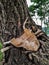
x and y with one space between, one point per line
28 41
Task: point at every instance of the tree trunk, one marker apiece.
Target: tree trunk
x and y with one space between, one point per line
12 16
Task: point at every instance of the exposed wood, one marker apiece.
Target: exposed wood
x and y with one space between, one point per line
28 40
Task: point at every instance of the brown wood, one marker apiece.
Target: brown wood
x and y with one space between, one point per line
28 41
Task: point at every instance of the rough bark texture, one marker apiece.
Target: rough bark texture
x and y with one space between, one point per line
12 16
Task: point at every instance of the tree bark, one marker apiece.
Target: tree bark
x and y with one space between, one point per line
12 16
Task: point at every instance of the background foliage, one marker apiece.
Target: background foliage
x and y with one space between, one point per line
41 7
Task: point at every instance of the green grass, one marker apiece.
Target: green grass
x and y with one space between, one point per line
1 54
1 46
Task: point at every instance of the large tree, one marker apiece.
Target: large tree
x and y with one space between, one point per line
12 16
